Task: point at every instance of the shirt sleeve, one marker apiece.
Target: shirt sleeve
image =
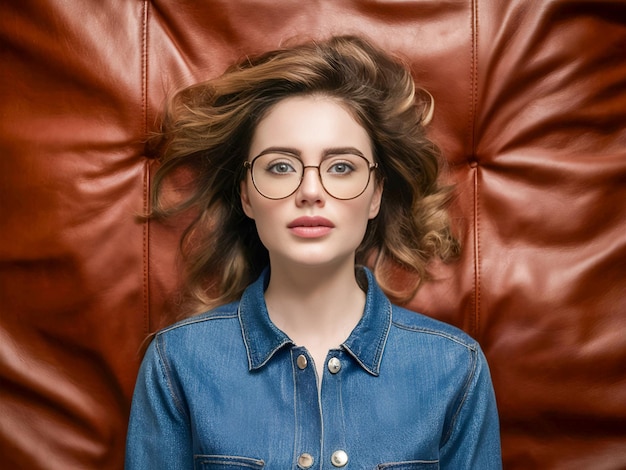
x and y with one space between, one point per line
159 433
474 437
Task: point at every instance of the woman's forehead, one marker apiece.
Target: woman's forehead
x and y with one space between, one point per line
310 123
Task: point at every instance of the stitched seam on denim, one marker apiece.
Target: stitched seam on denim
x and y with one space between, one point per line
244 335
252 363
191 321
295 406
364 366
380 348
272 353
246 342
339 378
473 346
392 465
466 386
318 384
160 347
221 459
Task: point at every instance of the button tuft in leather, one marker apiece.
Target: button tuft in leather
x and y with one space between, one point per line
302 361
334 365
305 460
339 458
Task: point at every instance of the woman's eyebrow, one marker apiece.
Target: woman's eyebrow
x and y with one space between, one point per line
283 150
325 153
342 151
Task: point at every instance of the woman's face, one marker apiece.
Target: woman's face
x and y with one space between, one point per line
310 227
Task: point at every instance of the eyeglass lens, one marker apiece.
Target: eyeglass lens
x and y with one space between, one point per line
277 175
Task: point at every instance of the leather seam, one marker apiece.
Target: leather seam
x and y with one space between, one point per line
146 178
475 318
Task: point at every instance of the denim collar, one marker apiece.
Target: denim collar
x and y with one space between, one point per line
366 343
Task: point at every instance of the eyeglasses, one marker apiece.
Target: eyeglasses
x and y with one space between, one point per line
277 174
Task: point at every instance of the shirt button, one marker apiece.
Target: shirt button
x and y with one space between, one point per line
334 365
302 362
339 458
305 460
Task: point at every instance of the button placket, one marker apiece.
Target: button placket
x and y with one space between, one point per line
307 411
337 364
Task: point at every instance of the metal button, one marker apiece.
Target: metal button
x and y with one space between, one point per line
334 365
302 362
305 460
339 458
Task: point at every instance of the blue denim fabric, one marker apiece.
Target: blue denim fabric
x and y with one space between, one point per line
225 390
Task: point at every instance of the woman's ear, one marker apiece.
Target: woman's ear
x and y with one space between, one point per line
377 198
245 198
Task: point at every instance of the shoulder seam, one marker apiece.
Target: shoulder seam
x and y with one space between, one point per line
199 319
466 390
159 345
472 345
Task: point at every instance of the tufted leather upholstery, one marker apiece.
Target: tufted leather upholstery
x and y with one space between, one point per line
531 115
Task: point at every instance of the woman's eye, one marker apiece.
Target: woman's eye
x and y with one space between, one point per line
341 168
280 168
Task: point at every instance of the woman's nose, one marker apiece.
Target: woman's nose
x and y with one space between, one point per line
311 189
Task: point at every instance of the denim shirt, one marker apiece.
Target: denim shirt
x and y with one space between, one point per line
229 390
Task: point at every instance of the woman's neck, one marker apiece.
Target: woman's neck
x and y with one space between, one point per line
316 307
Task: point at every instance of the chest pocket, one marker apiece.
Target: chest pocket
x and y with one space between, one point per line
226 462
412 465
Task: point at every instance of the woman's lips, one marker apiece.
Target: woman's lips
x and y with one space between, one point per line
310 227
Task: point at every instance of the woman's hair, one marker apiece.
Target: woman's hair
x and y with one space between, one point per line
206 132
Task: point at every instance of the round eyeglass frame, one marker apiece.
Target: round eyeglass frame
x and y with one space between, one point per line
249 165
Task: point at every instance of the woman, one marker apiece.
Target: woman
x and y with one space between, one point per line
307 163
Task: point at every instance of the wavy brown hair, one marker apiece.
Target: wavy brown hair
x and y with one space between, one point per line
206 131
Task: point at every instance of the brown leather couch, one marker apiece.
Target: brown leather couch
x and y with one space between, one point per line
531 115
